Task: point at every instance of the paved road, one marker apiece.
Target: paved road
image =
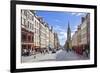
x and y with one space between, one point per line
71 55
60 55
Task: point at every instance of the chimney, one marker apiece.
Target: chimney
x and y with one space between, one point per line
51 28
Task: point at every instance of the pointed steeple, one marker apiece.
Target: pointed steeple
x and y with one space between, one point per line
68 26
68 31
68 36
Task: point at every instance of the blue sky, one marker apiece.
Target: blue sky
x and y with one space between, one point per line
59 21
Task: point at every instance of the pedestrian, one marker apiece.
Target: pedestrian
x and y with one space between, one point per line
34 53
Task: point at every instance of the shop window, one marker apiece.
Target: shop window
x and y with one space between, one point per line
29 38
23 37
32 39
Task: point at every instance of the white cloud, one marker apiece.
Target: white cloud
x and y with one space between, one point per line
62 34
72 34
59 29
73 13
75 28
77 14
62 37
57 20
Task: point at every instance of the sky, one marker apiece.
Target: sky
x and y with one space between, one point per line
59 20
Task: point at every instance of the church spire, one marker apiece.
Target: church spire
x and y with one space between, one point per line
68 36
68 26
68 31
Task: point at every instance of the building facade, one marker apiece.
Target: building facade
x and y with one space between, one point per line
43 36
56 41
27 32
88 30
51 37
47 35
36 33
79 50
74 41
84 33
83 36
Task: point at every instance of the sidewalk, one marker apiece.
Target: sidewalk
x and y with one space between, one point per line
38 57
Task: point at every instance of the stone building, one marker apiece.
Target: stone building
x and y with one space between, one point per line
56 41
27 32
35 32
83 35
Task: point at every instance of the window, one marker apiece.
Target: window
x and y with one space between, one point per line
21 12
23 46
32 39
32 18
32 26
29 38
25 12
29 16
23 37
28 24
24 21
35 23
